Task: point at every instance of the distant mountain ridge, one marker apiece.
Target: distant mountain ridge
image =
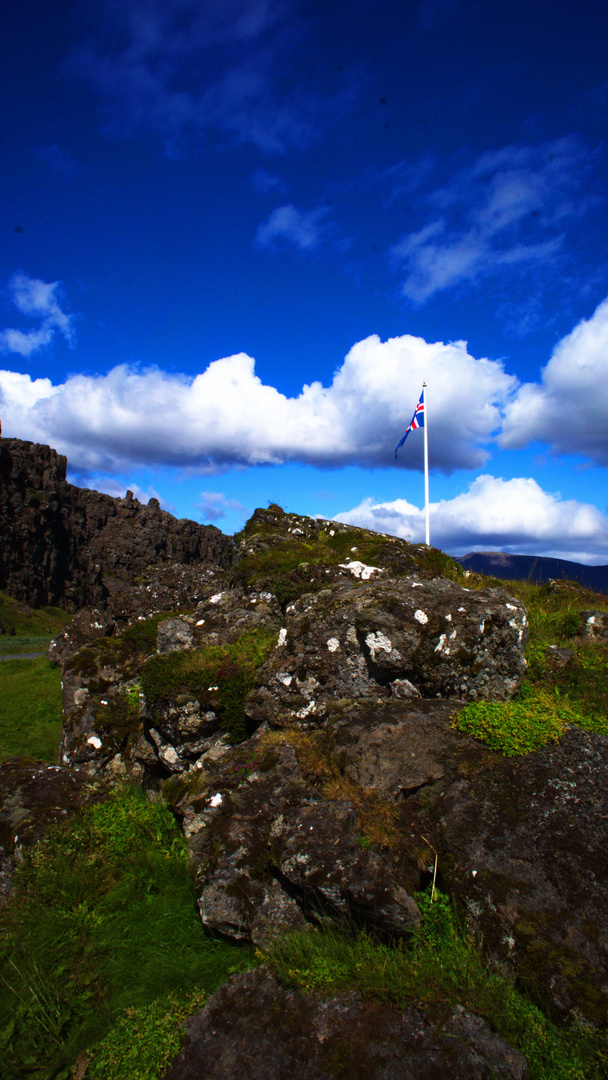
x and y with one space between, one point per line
535 568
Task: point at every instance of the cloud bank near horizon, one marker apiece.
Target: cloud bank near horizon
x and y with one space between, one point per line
495 514
226 417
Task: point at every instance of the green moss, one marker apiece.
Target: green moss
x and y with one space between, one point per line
516 727
117 722
143 633
439 964
220 676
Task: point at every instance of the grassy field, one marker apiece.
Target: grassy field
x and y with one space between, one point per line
30 709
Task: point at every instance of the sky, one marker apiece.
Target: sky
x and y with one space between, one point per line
238 235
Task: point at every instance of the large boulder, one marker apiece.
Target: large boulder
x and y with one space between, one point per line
523 846
392 636
254 1027
277 839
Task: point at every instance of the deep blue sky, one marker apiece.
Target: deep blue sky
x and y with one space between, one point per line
336 192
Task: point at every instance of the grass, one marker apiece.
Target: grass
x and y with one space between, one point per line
551 696
101 941
30 709
16 620
440 964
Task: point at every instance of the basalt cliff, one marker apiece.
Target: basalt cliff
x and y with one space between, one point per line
292 692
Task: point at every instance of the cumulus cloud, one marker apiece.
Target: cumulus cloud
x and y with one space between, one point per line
569 407
304 229
181 68
38 300
506 210
214 505
505 515
227 417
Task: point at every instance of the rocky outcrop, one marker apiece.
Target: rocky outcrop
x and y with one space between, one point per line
254 1027
393 636
297 709
71 547
524 847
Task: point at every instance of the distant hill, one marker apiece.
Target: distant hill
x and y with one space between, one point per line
535 568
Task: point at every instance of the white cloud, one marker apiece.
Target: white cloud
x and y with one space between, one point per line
215 505
227 417
506 515
569 408
37 299
507 209
304 228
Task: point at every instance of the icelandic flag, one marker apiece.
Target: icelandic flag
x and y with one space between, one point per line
417 421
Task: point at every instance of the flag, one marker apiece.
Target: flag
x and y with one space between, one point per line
417 421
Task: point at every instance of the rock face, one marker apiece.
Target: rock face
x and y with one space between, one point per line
254 1027
524 847
296 706
66 546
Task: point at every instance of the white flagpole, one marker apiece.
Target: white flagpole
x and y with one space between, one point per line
426 469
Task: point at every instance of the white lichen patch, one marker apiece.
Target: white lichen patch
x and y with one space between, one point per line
461 609
216 800
215 599
421 616
448 618
511 607
201 622
94 741
378 642
441 645
333 644
360 570
282 637
303 713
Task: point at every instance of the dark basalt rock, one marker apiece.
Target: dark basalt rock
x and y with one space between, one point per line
270 851
523 846
67 546
430 638
254 1027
